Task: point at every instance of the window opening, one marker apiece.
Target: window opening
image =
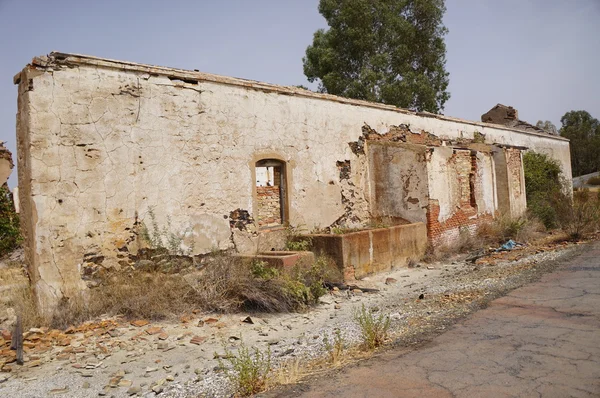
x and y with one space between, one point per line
270 193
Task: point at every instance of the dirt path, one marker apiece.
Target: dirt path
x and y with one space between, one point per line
541 340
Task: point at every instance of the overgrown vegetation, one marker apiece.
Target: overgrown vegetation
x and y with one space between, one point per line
544 187
164 238
581 216
226 284
374 328
547 200
296 241
10 235
249 369
335 349
594 180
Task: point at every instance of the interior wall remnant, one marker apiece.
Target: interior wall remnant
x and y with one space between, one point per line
512 199
462 193
398 175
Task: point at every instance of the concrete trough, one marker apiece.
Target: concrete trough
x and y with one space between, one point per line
362 253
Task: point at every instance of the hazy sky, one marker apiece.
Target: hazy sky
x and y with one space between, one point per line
540 56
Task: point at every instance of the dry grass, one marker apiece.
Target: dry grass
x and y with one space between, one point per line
225 285
16 296
145 295
524 229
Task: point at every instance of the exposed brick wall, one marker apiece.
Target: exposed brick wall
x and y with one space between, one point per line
463 164
269 206
465 218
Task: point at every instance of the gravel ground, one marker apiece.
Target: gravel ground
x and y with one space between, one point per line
450 292
412 321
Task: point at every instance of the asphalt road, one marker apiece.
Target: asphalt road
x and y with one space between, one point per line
541 340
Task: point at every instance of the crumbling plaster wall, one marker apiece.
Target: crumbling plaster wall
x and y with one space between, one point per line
462 192
102 142
510 179
399 183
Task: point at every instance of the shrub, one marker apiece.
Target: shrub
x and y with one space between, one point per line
262 270
335 349
249 370
580 216
594 180
521 229
374 329
295 241
10 236
544 187
165 238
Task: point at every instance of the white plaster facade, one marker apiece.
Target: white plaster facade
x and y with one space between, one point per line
102 142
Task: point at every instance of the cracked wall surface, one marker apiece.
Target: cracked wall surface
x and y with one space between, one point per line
102 143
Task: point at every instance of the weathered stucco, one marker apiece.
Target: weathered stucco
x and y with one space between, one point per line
103 144
6 164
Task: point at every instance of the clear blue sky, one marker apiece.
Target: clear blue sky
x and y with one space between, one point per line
540 56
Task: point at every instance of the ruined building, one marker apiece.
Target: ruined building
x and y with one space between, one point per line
6 164
106 147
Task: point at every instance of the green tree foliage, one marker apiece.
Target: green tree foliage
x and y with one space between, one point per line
10 237
389 51
547 126
584 132
543 187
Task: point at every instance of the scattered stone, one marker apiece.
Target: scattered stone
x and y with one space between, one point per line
421 296
139 323
273 341
35 363
134 390
158 389
247 320
163 336
85 385
149 369
337 306
390 281
114 381
357 291
162 345
198 340
211 320
125 383
154 330
58 391
170 378
326 300
287 352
